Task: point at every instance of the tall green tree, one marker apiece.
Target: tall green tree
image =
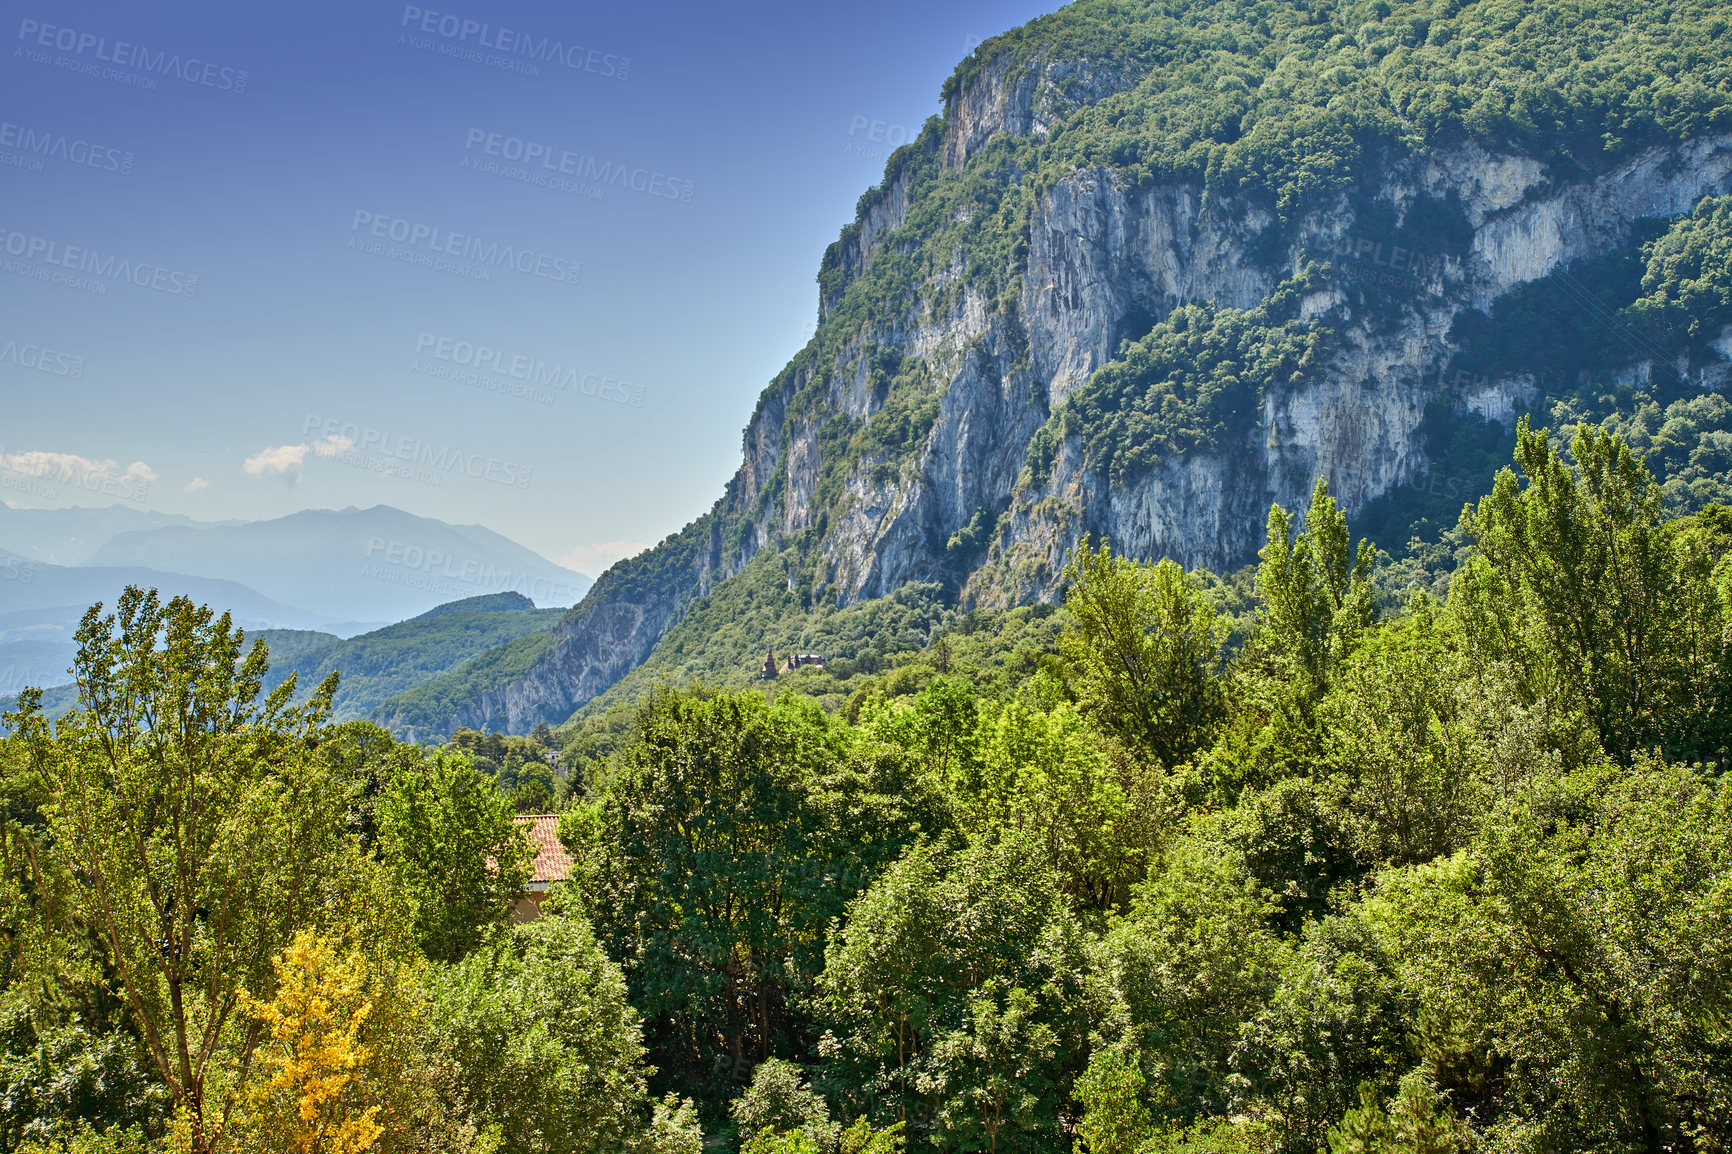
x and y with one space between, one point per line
1586 596
1097 808
1194 960
780 1100
1315 589
196 829
547 1048
1338 1015
729 835
1404 749
1316 605
954 998
457 842
1144 651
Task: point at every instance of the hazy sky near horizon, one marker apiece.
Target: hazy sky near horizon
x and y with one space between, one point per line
517 263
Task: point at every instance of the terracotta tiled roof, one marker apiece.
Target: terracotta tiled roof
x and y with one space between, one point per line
552 863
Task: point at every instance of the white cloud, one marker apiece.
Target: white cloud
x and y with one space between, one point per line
71 469
195 485
593 560
282 461
287 460
330 446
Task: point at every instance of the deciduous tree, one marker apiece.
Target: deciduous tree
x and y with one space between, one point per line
198 832
457 842
1144 653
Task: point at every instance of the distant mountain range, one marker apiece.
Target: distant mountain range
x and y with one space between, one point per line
375 565
41 605
70 536
337 572
382 672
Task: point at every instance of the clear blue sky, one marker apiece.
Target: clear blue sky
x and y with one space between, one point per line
390 189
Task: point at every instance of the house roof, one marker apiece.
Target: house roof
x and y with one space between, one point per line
552 862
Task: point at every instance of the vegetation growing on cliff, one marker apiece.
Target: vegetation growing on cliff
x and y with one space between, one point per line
1196 381
1575 333
723 638
1289 102
431 709
1288 108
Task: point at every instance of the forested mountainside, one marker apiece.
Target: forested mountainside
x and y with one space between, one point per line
1244 834
1131 875
1159 265
385 663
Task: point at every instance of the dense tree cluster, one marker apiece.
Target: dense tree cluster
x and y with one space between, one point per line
1288 100
1452 877
1260 869
232 925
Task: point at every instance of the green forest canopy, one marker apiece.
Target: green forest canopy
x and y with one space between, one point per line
1448 877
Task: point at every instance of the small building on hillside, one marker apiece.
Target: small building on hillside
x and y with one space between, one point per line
795 661
552 864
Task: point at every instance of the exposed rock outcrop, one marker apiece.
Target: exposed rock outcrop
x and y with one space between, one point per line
1104 261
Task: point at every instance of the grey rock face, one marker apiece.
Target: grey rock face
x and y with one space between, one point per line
1097 254
1025 100
1105 262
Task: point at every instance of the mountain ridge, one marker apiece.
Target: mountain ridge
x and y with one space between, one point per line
377 564
1156 268
41 606
343 572
383 664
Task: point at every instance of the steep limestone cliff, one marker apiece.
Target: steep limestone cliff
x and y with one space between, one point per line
897 446
1358 426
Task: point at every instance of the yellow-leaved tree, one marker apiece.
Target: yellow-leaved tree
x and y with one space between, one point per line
310 1096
